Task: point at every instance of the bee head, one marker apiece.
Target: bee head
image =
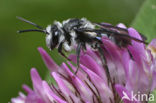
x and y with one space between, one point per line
54 32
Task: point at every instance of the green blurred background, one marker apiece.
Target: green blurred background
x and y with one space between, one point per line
18 53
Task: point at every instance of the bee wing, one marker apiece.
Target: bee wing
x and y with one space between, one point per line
110 27
120 32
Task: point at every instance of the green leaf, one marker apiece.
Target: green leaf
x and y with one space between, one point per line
145 21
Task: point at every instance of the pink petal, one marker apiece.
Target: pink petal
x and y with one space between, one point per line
37 85
68 70
154 81
113 50
79 74
51 65
89 62
137 80
137 49
153 43
37 81
61 83
51 95
125 61
82 88
34 98
27 89
67 89
114 58
100 85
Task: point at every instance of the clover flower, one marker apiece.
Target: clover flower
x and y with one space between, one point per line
135 72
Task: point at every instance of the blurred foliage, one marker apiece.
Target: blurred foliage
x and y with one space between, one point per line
145 21
18 53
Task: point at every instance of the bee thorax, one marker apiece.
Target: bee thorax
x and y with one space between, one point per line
87 24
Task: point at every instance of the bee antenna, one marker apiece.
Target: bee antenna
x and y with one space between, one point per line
29 22
31 30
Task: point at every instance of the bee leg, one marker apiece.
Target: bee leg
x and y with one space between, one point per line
78 50
60 51
104 63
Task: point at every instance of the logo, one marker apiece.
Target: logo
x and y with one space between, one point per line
137 96
125 96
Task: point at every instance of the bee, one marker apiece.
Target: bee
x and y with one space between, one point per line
81 32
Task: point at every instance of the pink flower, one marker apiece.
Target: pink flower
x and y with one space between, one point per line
129 73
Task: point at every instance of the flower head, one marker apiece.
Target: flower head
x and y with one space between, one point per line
131 69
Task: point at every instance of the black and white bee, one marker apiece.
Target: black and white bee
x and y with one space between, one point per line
81 32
